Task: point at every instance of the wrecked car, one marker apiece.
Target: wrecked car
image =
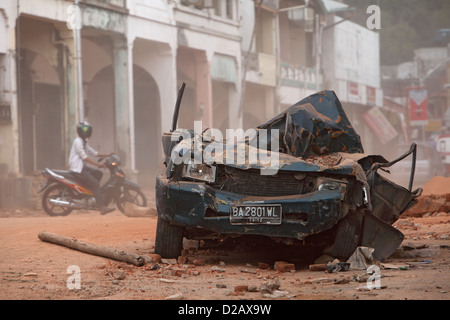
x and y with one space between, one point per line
320 189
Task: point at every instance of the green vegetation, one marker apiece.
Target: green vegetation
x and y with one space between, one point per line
405 25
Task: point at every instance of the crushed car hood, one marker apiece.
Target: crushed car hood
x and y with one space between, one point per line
315 135
338 163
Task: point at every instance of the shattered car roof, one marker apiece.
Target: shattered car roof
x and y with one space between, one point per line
315 126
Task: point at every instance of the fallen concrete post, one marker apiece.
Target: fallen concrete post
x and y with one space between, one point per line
92 249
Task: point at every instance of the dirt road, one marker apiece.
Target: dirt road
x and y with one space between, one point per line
33 269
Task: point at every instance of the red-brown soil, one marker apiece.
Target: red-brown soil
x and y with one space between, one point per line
33 269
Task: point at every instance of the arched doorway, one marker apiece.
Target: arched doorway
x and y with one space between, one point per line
99 110
41 115
147 127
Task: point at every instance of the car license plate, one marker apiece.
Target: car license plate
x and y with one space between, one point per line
256 214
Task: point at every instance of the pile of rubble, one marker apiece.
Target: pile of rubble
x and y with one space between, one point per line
435 199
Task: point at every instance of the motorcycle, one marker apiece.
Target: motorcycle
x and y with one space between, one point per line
63 192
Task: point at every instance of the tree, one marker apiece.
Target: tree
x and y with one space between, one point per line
405 25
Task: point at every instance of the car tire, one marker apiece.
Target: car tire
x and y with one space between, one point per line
169 239
347 237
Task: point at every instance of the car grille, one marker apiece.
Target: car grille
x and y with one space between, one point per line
251 182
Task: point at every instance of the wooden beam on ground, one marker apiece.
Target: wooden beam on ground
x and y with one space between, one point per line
92 249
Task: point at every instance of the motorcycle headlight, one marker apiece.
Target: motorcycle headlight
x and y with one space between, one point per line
202 171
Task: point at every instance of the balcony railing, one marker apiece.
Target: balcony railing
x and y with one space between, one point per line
297 76
117 5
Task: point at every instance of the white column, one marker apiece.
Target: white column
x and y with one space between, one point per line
131 105
122 100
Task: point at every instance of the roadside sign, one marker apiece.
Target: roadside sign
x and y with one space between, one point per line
418 106
380 125
433 126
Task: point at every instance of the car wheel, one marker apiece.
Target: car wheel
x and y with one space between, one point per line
169 239
347 237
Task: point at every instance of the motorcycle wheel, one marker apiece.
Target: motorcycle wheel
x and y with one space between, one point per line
131 195
60 192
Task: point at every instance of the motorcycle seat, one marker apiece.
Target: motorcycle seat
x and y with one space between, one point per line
65 173
68 174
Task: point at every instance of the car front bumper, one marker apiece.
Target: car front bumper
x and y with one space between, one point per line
196 205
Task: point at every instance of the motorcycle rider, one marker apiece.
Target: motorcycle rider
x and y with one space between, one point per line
79 158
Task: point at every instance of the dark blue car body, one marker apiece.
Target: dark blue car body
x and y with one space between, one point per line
324 184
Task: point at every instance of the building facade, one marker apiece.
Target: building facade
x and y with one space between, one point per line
243 62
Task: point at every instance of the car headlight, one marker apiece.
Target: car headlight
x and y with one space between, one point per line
326 184
202 171
329 185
